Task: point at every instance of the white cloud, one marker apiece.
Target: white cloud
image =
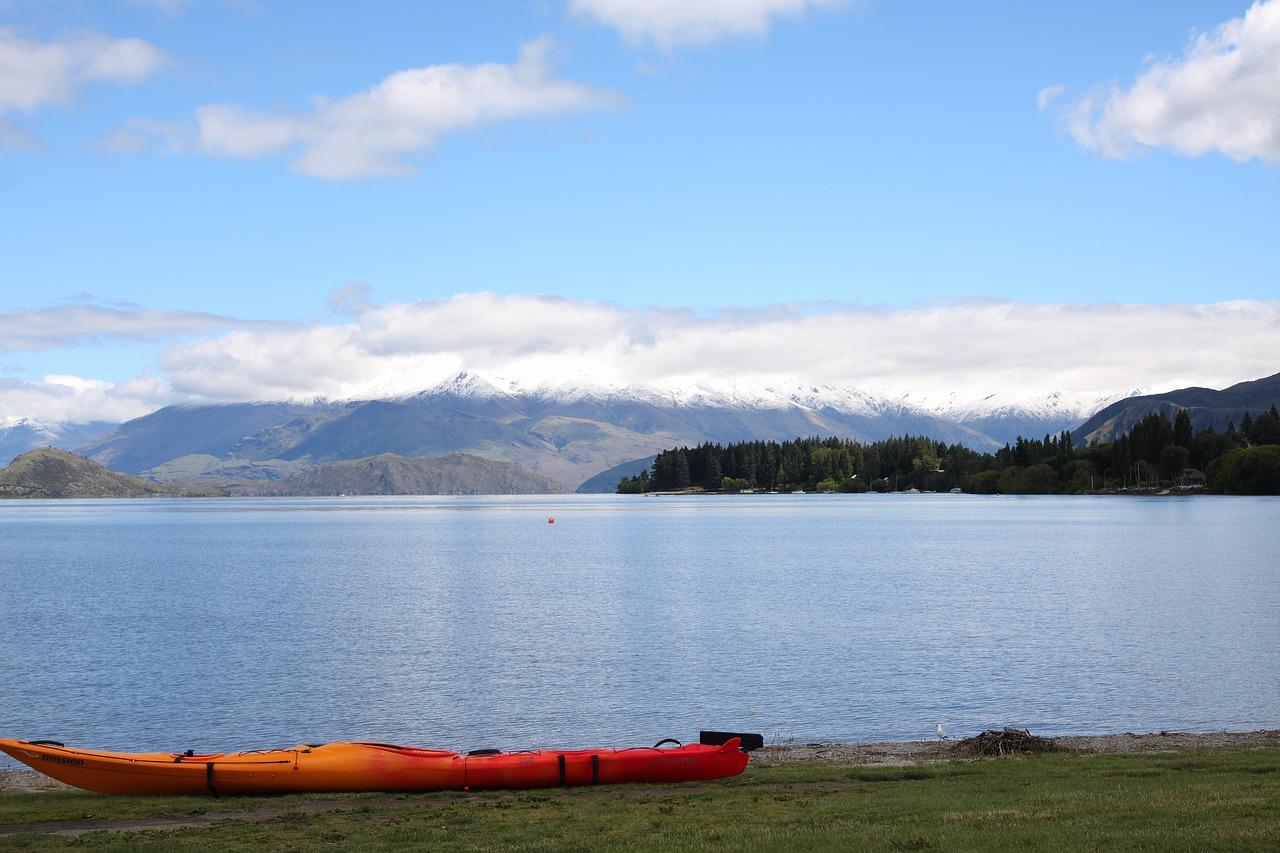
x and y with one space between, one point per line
375 133
79 400
38 74
64 326
672 23
930 352
1047 95
925 350
1222 94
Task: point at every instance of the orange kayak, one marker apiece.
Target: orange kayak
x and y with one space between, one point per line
336 767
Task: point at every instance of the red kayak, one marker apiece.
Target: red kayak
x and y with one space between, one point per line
338 767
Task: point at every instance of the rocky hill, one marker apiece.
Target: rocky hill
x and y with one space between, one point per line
392 474
50 473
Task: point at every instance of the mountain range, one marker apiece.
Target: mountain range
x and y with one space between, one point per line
582 436
566 434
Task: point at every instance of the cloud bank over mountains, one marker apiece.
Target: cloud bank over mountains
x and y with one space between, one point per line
934 355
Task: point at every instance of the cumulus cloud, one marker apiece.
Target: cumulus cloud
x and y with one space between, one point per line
673 23
79 400
80 323
38 74
374 133
1222 94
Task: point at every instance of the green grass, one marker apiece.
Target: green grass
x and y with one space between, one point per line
1186 801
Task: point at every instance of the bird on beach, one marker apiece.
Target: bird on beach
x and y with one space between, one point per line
941 734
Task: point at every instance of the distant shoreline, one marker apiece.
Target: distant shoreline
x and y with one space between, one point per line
1143 493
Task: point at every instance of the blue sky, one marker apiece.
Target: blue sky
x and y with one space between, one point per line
865 153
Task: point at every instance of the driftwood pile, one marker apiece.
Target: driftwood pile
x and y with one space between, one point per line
1006 741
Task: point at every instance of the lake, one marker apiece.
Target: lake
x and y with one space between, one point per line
471 622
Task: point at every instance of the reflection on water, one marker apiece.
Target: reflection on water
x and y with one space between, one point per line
472 622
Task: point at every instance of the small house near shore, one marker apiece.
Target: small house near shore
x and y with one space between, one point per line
1191 478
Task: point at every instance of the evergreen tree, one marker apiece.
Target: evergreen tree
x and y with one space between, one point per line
1153 449
1182 429
680 478
713 474
1266 428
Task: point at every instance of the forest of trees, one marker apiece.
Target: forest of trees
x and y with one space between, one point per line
1153 455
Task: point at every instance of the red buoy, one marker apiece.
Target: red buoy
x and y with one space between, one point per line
551 519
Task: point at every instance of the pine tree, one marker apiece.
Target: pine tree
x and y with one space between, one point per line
1182 429
713 475
680 471
1266 428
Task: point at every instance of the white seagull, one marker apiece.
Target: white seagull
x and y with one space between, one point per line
941 734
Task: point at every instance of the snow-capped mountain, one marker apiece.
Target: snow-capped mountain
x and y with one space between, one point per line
1000 415
729 395
1005 415
18 435
573 429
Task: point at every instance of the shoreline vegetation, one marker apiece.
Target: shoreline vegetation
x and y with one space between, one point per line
1167 790
1156 456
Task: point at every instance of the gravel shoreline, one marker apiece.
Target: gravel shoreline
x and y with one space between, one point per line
888 754
899 753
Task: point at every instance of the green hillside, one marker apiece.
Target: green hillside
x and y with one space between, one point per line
51 473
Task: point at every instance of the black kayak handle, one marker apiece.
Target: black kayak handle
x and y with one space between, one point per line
667 740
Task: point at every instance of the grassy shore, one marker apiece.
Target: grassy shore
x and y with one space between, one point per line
1197 800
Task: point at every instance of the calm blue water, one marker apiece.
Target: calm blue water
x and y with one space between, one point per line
469 622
